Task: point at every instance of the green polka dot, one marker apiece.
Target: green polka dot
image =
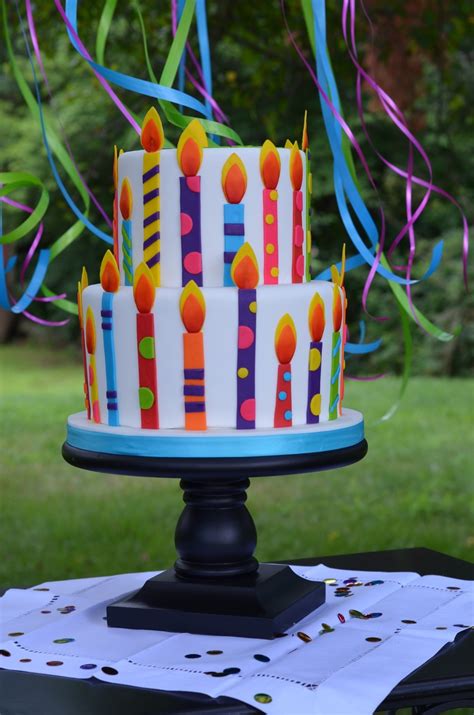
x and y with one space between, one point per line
262 698
146 348
146 398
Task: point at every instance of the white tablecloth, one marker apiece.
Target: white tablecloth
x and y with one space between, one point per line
345 657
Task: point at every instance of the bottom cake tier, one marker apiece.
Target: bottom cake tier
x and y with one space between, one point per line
84 435
270 357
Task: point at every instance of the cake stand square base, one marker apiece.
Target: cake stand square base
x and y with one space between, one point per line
262 604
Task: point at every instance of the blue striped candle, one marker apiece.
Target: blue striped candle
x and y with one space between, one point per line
234 236
109 353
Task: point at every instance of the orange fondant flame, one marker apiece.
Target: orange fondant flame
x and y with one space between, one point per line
269 165
190 145
234 179
109 273
316 320
143 289
296 167
244 269
285 339
126 201
90 331
192 307
152 136
304 136
336 308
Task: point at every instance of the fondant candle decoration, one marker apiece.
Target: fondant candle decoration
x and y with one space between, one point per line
152 139
244 274
335 352
110 281
270 165
189 154
316 324
338 279
115 211
285 346
309 191
126 206
234 185
91 345
296 177
82 284
193 312
144 295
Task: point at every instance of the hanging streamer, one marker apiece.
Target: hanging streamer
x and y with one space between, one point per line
161 91
397 116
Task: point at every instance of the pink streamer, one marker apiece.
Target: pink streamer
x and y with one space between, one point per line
47 323
102 81
397 116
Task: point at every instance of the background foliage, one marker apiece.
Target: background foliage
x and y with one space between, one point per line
418 49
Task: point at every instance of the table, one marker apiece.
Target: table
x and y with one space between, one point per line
443 683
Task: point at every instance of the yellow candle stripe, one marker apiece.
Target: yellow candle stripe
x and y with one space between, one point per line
151 214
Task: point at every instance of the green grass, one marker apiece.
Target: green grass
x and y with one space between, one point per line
413 489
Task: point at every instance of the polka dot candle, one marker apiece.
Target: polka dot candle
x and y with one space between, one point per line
234 186
144 295
270 172
190 155
316 324
244 273
285 346
298 237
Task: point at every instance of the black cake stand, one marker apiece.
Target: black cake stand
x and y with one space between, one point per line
217 586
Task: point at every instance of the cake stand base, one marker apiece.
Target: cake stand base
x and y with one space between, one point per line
217 585
257 605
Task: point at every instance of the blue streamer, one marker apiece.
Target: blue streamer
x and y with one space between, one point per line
139 86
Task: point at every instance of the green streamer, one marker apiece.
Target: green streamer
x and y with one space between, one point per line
103 29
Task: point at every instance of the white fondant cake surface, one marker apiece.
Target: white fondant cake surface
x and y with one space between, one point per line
346 431
220 352
130 166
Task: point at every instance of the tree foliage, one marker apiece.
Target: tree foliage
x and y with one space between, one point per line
419 51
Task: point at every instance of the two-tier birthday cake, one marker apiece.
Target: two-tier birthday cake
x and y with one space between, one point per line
206 325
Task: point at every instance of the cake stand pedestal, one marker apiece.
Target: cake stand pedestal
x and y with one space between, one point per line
217 586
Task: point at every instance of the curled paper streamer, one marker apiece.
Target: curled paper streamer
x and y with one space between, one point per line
398 118
162 91
9 182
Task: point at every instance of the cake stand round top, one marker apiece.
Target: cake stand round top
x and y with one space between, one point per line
217 452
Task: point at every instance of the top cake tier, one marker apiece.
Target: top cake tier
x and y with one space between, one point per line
187 211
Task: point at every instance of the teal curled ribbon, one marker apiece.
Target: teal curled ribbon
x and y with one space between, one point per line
10 182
